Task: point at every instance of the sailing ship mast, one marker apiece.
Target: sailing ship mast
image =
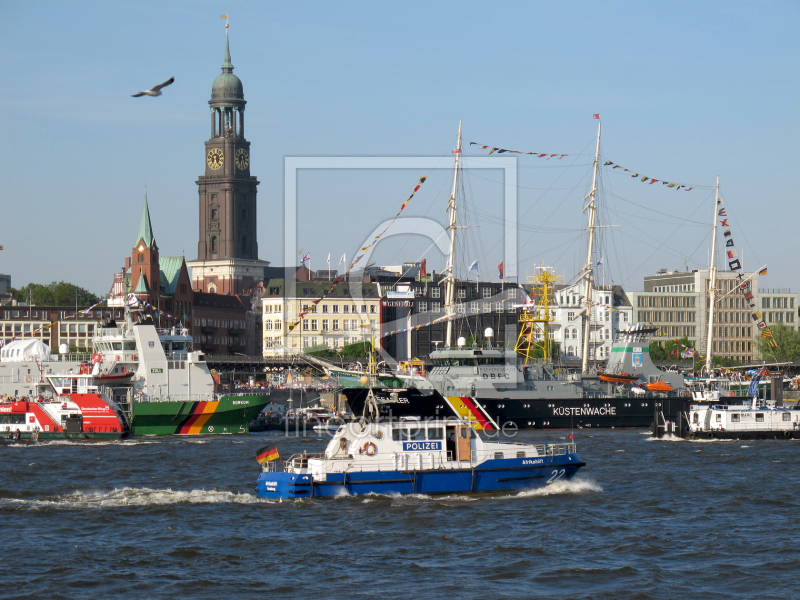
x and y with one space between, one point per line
587 270
712 282
450 280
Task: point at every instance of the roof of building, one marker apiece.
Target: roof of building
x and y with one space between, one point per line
315 289
145 228
202 299
227 86
170 267
141 285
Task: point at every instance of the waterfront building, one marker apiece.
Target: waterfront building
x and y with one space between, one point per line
678 304
346 315
612 313
23 321
779 305
227 250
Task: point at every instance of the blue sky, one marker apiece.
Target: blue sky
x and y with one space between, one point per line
687 91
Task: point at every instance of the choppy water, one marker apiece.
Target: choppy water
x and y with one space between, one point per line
177 517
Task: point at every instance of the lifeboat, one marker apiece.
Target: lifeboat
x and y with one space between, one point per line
658 386
114 376
618 377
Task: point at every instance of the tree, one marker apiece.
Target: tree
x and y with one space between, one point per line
659 353
55 294
787 340
357 351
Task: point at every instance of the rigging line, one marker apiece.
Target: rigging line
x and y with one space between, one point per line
617 196
569 242
551 166
667 249
741 229
521 187
704 187
679 222
663 243
421 256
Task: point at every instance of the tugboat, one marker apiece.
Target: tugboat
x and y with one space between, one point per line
758 419
81 417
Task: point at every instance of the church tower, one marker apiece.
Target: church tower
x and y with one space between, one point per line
227 250
145 269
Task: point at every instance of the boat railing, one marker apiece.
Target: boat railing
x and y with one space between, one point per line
178 398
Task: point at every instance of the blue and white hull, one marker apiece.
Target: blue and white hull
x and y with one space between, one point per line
491 477
412 456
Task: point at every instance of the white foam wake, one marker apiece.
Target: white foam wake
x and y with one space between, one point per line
575 486
123 497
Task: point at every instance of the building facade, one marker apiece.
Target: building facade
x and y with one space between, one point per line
678 304
346 315
227 249
779 305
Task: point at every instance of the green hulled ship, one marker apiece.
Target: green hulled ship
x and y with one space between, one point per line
156 383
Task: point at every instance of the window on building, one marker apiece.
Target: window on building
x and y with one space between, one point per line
314 325
570 316
324 324
354 324
422 307
324 308
436 307
372 309
346 324
336 308
346 308
306 324
462 293
335 324
213 244
487 292
436 292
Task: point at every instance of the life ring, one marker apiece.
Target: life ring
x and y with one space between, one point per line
369 448
710 436
787 434
28 379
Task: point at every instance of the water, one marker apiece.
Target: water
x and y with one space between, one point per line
178 517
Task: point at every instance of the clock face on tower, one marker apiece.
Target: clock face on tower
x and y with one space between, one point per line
215 158
242 159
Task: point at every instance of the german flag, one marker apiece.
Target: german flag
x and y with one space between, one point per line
763 271
267 453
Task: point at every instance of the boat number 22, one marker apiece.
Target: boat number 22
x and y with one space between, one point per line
556 475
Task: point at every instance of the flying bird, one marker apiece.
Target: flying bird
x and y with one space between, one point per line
156 91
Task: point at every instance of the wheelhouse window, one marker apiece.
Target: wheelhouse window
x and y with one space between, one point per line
787 417
760 418
734 418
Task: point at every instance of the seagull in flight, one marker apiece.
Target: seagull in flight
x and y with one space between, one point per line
156 91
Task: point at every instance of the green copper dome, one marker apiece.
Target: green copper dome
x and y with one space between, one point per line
227 86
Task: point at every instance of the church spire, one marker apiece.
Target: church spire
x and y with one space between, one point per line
145 228
227 67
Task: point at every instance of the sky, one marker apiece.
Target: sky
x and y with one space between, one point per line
686 91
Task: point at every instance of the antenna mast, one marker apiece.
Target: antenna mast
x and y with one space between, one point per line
587 270
450 280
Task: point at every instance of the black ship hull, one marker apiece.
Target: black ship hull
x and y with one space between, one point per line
533 413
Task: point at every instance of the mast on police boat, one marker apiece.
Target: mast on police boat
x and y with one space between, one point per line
588 269
712 282
450 279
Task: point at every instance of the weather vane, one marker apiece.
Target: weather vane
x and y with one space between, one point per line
226 20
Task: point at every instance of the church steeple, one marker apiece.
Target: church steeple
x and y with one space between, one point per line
227 67
145 228
227 248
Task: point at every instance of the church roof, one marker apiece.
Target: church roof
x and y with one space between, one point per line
141 285
170 267
145 228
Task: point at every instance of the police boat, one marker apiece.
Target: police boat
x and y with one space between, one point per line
414 456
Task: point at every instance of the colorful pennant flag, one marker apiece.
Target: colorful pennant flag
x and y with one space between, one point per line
502 150
613 165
